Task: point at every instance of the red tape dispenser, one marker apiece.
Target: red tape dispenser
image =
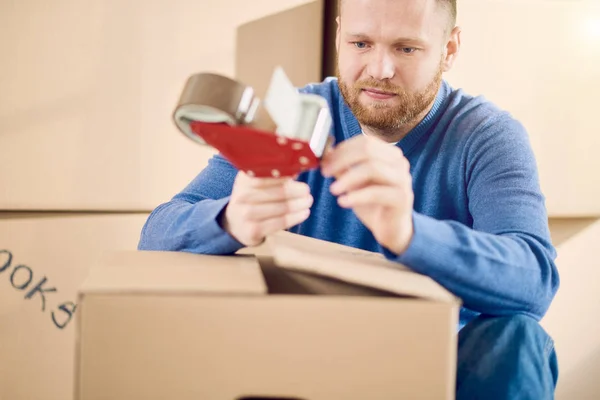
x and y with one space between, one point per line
283 135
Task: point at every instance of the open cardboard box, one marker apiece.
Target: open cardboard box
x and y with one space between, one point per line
296 318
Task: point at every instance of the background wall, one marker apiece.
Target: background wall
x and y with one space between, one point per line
573 318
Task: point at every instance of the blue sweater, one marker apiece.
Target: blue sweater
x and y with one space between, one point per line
480 223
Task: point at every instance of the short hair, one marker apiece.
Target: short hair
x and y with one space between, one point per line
452 8
449 4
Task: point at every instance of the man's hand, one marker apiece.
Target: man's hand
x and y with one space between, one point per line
373 178
261 206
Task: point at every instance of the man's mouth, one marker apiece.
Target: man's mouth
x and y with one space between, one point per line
378 94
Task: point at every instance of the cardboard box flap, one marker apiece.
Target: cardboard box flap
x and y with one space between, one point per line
356 266
156 271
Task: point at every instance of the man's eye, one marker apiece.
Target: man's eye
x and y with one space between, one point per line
408 50
360 45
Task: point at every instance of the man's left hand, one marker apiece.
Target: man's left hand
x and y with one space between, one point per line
373 178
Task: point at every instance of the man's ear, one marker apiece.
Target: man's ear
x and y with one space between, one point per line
337 34
452 49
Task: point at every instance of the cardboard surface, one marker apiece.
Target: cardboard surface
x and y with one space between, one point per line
51 253
309 337
576 335
145 270
332 260
308 347
294 39
85 112
538 92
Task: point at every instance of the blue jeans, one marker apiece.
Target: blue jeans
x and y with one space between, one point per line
505 358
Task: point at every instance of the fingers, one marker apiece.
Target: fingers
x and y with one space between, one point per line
264 211
260 183
276 224
261 206
374 195
365 174
357 150
253 232
286 190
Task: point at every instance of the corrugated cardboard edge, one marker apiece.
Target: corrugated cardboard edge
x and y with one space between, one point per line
301 253
142 271
77 344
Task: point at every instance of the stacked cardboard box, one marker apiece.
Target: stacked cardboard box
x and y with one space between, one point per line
44 258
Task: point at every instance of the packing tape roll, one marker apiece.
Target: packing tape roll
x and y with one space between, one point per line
214 98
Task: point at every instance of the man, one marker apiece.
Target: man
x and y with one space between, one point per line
427 175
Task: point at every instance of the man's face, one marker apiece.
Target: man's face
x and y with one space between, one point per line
390 59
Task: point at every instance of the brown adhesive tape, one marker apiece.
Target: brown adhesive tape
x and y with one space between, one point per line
209 97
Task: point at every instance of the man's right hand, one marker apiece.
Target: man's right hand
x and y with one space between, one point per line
261 206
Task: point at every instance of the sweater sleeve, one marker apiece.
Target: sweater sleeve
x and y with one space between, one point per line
189 221
504 263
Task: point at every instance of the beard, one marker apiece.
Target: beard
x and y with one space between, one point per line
385 116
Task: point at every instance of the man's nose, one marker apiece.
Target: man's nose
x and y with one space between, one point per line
381 65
